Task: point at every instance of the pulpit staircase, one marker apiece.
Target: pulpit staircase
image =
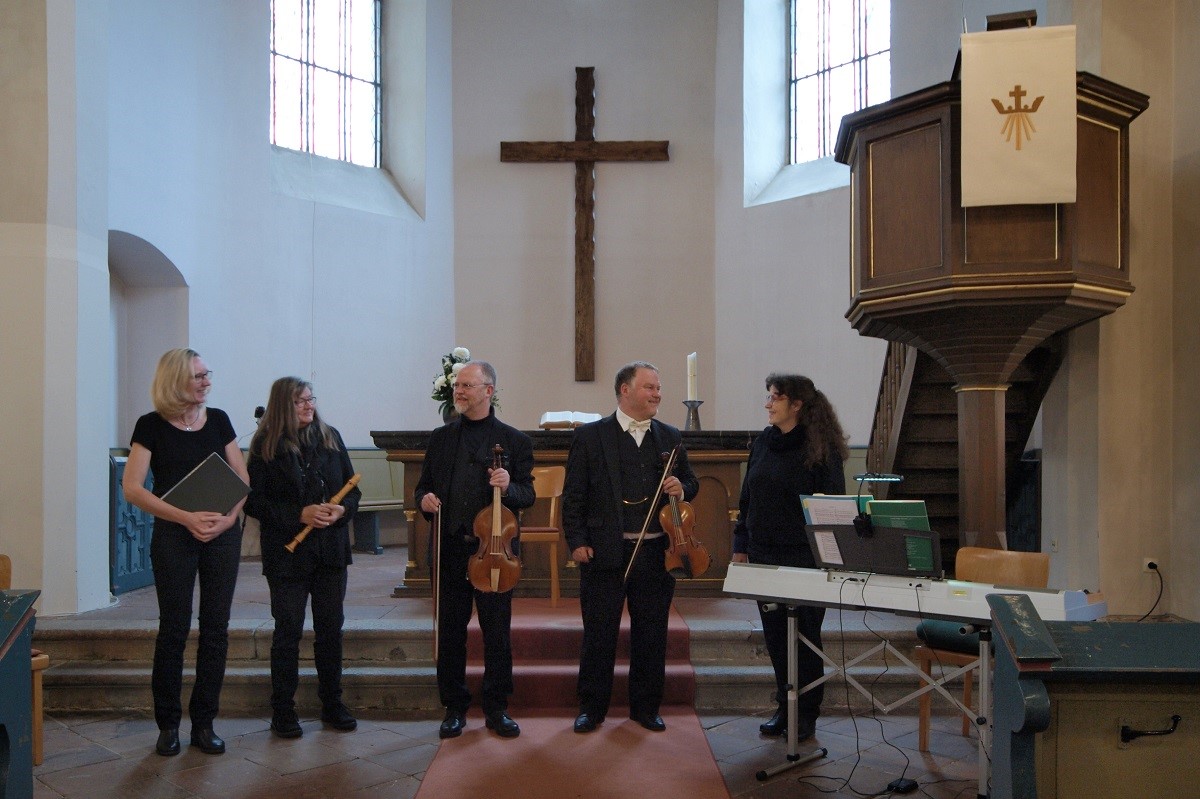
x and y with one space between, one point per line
915 431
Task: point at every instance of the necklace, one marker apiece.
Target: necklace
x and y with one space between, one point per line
186 424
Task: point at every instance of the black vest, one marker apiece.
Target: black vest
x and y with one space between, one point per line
641 468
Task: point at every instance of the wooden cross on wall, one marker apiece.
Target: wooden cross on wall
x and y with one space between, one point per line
585 151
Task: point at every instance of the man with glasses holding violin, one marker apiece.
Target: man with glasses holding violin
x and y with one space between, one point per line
458 480
610 518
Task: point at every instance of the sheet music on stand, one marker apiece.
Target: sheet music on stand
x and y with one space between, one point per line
833 508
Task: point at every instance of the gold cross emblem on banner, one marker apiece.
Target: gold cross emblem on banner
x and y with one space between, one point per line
1017 119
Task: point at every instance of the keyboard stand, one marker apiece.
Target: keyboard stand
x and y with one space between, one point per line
983 723
793 757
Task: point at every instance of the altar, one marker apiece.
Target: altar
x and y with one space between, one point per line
718 458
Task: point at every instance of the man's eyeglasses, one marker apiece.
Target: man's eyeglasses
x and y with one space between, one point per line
467 386
300 402
203 376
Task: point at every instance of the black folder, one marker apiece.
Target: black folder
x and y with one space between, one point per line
887 550
212 486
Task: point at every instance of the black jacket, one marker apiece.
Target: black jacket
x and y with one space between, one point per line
770 512
592 494
438 468
277 496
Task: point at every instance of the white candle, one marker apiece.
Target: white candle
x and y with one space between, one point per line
692 393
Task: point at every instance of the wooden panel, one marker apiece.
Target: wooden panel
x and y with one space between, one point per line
1098 210
988 235
906 204
1084 756
129 534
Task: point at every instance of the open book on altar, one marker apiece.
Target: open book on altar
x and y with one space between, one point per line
552 420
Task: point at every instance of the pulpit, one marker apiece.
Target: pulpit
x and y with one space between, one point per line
716 457
978 288
16 700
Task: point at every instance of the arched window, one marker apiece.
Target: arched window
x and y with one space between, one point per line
840 62
326 94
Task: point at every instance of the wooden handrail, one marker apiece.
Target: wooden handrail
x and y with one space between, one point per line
894 386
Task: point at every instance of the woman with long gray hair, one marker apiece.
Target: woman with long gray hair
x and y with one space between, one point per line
297 464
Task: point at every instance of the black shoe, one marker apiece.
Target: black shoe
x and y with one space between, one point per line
453 725
586 722
651 721
776 725
806 726
285 724
168 742
338 716
503 724
204 739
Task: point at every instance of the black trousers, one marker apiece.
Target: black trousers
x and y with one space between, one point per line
457 598
289 598
602 595
809 665
178 561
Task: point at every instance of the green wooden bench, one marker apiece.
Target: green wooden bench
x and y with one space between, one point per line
382 487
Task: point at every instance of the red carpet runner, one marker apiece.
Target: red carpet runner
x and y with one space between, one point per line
546 644
620 759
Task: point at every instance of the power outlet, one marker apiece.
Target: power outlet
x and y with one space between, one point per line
1149 564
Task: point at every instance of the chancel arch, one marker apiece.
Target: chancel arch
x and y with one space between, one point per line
148 300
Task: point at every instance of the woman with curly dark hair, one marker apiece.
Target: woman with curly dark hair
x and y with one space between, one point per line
800 452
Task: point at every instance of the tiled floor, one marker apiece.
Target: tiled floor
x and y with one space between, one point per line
97 757
112 755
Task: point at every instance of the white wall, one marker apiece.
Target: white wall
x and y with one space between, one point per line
751 289
1185 380
514 244
1135 365
285 276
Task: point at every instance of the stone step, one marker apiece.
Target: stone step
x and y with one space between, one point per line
411 691
389 668
389 643
370 641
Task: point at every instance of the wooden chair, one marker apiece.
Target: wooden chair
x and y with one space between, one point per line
38 663
548 484
945 645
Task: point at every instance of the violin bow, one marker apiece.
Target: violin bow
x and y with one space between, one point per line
651 512
434 578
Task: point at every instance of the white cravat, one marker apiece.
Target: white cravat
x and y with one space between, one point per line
638 430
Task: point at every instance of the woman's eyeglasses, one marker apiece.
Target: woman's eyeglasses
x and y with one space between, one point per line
302 401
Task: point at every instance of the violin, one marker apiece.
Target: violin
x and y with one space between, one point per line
494 567
686 557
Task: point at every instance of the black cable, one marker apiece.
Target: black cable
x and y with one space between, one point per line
1161 585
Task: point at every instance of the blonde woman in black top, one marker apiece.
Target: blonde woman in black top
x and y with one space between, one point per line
170 441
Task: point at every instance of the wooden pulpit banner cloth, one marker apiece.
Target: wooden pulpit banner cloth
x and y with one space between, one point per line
1018 116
